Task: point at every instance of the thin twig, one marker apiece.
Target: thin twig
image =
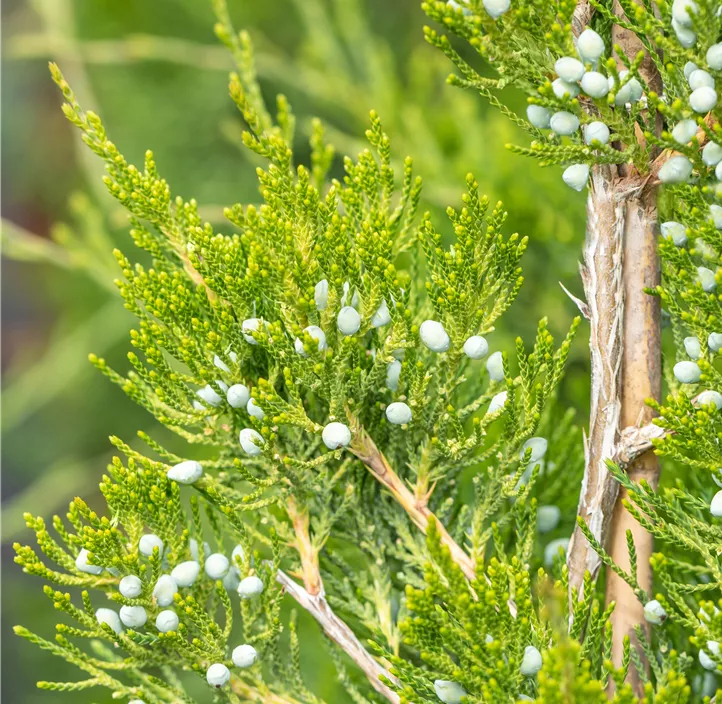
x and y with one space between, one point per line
313 599
339 633
365 449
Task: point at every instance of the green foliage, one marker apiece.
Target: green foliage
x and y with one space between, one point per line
314 307
649 98
525 42
141 498
448 613
215 310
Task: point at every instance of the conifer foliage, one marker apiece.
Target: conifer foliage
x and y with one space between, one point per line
352 435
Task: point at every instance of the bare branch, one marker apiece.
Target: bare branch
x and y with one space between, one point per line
636 374
641 379
339 633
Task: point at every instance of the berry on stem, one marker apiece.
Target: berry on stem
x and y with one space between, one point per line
336 435
187 472
186 573
238 396
398 413
251 442
218 675
250 587
244 655
167 621
434 336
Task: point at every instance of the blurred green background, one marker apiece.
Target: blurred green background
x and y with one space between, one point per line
156 75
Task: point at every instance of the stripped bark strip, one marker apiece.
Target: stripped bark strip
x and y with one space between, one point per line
604 292
339 633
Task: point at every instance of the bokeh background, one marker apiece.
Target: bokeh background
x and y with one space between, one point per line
157 76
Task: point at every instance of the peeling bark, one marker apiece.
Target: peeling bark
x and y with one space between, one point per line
620 261
641 379
602 278
638 439
582 15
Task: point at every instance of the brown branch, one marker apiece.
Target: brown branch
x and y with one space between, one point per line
313 599
637 439
642 379
365 449
641 369
620 260
339 633
416 508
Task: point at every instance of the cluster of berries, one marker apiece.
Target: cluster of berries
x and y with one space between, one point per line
336 435
577 76
216 566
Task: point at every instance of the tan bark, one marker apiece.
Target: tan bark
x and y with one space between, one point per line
582 15
620 260
638 439
641 379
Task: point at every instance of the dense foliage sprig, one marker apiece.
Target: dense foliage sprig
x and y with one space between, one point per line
339 339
